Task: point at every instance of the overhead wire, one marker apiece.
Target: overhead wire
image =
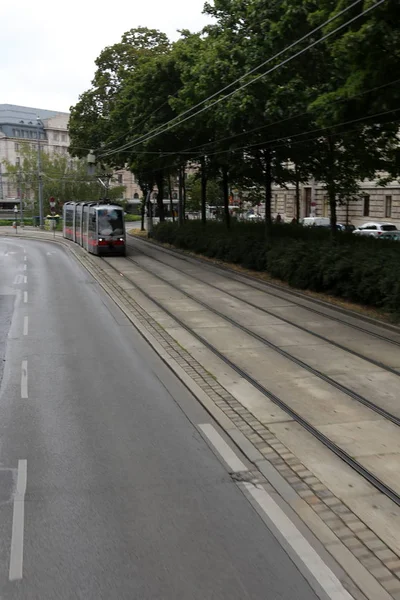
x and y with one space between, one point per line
173 122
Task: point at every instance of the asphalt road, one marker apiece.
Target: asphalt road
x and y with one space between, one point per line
124 497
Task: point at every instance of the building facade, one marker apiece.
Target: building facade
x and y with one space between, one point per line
375 203
21 126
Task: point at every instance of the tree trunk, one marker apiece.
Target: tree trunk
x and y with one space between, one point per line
268 188
225 193
160 195
143 212
203 190
180 205
184 190
171 203
331 186
297 197
332 206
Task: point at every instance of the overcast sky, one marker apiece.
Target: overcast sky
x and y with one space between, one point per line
48 48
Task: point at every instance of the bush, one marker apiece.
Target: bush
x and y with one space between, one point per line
359 269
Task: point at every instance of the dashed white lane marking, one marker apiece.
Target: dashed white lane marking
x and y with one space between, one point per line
24 267
319 574
225 451
25 279
24 379
25 325
25 297
18 279
24 256
17 536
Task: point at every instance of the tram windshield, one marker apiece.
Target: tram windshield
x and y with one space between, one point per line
110 221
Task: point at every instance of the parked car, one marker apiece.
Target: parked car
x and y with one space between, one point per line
374 229
390 235
316 221
343 227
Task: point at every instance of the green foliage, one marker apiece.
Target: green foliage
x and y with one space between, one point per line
63 179
359 269
316 116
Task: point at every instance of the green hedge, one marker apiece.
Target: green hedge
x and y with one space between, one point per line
362 270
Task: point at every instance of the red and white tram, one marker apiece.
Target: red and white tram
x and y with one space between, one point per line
98 228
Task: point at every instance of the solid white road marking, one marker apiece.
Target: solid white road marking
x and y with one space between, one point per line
25 325
25 279
18 279
24 379
321 574
306 553
25 297
17 536
225 451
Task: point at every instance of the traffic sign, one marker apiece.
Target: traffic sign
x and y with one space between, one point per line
52 202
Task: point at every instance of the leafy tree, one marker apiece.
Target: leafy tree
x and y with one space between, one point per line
194 192
63 178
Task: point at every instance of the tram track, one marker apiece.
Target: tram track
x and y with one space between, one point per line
359 355
268 288
369 476
337 385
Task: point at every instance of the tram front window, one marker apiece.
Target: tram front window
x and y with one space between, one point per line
110 222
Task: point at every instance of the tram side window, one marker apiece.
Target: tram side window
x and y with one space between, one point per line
69 218
92 222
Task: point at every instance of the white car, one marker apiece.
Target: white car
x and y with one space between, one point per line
374 229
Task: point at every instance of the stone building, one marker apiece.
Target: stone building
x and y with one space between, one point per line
376 203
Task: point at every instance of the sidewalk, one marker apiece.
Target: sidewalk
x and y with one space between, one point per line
364 542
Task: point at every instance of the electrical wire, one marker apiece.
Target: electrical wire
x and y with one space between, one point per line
255 129
171 124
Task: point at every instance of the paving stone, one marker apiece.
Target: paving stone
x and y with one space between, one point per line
371 562
361 552
299 486
293 479
343 533
393 564
356 525
385 554
375 545
317 487
352 543
313 500
306 493
391 585
366 535
380 572
332 502
311 480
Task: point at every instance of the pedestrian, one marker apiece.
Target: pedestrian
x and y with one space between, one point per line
278 218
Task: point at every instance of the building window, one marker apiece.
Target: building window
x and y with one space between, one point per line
366 206
284 203
56 137
275 202
16 147
63 137
136 196
120 178
388 206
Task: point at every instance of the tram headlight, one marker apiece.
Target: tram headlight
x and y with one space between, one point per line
100 239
